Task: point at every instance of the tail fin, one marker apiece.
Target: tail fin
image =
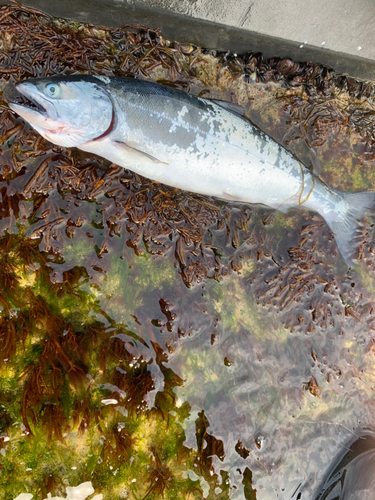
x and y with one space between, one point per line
348 224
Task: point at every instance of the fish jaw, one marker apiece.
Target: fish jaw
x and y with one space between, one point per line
37 118
52 130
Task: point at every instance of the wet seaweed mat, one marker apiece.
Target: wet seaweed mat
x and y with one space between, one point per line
121 299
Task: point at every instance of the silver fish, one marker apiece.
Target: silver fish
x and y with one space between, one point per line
199 145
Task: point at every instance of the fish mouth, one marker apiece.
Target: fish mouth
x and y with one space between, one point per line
32 107
31 102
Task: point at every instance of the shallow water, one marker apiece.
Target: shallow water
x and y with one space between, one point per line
232 349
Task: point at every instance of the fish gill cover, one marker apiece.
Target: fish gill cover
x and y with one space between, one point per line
167 345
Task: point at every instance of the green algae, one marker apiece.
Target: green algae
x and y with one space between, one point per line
67 433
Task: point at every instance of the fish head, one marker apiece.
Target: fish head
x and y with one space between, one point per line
67 111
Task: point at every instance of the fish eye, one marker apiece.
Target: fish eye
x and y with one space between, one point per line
53 90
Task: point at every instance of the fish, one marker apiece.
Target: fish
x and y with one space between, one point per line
199 145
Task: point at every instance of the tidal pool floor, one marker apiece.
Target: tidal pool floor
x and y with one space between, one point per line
162 344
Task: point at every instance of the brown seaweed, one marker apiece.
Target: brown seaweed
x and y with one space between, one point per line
159 476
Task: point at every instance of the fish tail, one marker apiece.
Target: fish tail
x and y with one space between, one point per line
346 223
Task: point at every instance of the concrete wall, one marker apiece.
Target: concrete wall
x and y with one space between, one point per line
338 33
341 25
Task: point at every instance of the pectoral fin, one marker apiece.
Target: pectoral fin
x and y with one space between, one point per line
136 153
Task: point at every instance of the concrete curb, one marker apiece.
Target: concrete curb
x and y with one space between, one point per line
201 32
